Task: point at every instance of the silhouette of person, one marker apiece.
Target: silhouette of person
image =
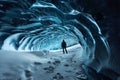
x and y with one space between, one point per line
64 47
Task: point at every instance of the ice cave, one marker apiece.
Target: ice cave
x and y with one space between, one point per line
31 32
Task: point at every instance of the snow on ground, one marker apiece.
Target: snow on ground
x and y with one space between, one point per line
42 65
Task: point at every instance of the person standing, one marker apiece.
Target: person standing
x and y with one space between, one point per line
63 44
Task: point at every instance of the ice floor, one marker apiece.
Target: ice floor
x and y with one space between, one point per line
46 65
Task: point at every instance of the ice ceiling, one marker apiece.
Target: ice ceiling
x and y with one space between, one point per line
29 25
42 26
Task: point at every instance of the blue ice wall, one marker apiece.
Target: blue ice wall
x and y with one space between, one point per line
35 25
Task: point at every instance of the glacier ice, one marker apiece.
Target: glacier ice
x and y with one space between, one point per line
42 25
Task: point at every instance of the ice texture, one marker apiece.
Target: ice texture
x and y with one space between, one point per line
41 25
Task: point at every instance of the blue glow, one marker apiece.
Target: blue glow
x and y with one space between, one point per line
42 25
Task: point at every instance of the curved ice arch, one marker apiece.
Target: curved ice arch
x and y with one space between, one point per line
83 28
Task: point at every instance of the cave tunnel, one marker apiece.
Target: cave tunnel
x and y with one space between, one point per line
42 25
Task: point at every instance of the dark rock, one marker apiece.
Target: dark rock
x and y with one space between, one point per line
49 69
37 63
49 62
66 65
28 73
58 76
56 62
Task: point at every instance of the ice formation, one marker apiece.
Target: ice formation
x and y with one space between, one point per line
43 24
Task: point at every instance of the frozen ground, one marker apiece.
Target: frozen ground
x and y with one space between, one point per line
46 65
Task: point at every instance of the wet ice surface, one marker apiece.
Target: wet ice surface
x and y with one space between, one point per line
42 66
